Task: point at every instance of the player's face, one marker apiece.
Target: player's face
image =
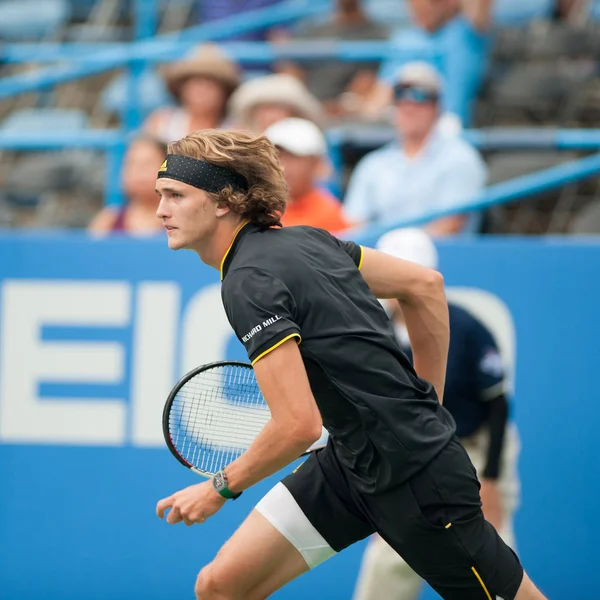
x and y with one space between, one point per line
188 214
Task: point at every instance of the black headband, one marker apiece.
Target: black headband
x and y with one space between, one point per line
201 174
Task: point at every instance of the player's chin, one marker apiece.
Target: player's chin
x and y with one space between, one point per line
181 244
175 243
175 240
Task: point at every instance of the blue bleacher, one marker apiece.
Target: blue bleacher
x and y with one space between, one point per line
45 119
81 9
32 19
518 13
152 94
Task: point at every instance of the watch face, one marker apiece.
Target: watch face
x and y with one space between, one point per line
219 481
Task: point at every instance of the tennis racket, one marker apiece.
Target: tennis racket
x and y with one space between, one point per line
213 414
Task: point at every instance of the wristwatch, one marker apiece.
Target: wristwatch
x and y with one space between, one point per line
220 484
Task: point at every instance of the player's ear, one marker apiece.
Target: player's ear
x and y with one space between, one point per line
220 206
222 209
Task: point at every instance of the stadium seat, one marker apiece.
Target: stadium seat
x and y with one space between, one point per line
32 19
509 44
81 9
45 119
535 92
390 13
587 220
7 212
86 33
561 40
508 165
32 175
544 212
518 13
152 94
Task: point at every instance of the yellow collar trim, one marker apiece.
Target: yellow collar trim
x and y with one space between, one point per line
230 245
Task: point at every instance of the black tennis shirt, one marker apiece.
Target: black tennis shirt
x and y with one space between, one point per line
385 423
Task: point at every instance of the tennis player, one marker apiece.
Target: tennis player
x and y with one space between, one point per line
304 305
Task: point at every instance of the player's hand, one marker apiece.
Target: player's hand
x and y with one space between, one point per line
492 503
193 504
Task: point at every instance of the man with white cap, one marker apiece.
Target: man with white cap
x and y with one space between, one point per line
425 171
475 396
302 152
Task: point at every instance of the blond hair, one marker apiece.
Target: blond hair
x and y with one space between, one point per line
255 159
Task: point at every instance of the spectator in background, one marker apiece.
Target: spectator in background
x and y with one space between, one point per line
475 395
202 84
138 179
341 86
302 151
426 172
460 30
260 102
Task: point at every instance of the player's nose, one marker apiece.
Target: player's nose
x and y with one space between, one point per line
161 210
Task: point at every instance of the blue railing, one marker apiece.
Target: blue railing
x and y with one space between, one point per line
114 142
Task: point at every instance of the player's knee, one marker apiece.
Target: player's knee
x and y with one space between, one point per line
212 586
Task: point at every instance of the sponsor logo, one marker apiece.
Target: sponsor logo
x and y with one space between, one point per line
257 328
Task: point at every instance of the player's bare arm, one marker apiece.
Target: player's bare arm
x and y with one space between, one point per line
294 425
295 419
421 295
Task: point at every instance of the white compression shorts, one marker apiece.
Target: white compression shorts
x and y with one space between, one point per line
280 508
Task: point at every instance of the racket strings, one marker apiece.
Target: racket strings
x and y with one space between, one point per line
216 415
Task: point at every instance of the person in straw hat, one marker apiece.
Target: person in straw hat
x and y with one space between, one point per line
263 101
202 84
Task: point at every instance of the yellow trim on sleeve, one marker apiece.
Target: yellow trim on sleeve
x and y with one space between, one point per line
481 582
448 526
285 339
230 245
362 255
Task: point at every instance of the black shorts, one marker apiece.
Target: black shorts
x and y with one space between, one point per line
434 521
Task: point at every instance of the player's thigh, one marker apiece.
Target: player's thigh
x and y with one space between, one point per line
253 563
299 523
326 502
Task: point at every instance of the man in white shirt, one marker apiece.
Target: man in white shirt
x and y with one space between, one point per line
427 170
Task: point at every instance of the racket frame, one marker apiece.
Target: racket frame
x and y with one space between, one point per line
171 398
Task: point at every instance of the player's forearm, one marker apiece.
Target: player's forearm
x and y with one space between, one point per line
426 316
276 446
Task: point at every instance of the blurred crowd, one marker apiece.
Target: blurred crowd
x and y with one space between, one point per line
427 168
411 160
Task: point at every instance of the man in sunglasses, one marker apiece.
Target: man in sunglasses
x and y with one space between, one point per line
426 171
